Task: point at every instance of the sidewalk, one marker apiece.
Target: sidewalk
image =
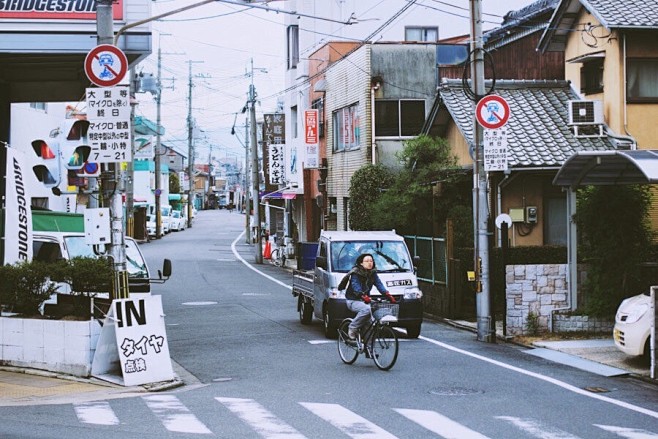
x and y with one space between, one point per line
19 386
596 355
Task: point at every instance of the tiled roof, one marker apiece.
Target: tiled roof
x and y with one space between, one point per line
538 134
613 14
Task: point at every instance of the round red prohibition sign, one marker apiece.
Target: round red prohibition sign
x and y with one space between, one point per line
492 112
106 65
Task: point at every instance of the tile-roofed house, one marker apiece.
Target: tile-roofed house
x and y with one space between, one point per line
539 134
612 57
539 141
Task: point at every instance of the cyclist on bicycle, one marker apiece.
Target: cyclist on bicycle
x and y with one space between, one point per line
362 278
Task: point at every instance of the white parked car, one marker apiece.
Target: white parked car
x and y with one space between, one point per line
633 325
166 219
178 222
150 225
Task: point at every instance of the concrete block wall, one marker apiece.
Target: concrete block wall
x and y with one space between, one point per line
55 345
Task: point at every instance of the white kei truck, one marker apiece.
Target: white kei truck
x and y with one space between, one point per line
316 289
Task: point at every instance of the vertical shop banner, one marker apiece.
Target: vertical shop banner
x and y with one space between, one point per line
276 164
311 139
274 133
18 214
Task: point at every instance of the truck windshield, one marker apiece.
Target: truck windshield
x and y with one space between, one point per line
389 256
135 264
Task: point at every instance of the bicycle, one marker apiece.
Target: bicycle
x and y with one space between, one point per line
378 341
278 257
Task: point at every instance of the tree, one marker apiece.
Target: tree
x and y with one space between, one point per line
174 183
424 189
366 187
615 238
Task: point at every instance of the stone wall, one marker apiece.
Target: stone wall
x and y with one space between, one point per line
540 289
543 290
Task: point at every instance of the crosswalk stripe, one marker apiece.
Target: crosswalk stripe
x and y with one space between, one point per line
260 419
174 415
629 433
347 421
439 424
536 429
96 412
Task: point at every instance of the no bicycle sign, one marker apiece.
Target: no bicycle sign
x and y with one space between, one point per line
106 65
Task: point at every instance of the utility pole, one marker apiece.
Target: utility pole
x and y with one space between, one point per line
190 147
105 30
130 167
480 196
254 171
247 204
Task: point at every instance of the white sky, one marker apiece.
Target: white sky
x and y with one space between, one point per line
221 40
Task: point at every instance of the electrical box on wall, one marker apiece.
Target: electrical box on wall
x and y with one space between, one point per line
97 226
517 214
531 214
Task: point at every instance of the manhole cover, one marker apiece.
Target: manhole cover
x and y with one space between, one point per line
454 391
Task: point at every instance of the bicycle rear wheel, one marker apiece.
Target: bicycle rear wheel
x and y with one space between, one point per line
384 347
347 349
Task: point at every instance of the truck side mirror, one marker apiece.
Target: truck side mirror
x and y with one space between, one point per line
163 275
321 262
416 260
166 268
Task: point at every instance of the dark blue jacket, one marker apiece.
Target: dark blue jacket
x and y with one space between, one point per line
361 282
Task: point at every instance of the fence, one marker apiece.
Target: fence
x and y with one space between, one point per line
433 266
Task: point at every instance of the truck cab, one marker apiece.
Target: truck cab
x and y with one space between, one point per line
336 254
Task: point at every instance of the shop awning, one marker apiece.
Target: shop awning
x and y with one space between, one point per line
609 168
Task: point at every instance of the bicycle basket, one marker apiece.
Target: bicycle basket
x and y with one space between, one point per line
380 310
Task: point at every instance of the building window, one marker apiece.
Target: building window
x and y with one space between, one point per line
642 80
415 33
318 104
38 105
403 118
555 221
591 77
293 121
293 46
346 128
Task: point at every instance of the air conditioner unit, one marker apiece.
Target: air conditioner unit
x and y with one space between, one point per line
585 113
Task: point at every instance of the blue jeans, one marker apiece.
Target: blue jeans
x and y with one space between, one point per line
362 311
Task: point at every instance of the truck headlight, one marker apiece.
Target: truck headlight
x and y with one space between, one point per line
412 293
637 313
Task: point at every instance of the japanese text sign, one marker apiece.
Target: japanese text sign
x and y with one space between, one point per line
110 132
311 138
495 149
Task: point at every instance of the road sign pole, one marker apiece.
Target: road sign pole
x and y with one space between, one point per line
105 29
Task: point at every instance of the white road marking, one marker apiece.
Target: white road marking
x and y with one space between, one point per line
536 429
629 433
174 415
260 419
347 421
237 255
95 412
439 424
539 376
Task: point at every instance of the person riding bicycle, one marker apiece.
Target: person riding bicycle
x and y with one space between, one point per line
363 276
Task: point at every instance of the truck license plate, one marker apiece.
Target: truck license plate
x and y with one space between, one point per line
398 283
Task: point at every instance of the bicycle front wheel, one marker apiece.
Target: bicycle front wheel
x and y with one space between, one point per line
384 347
347 349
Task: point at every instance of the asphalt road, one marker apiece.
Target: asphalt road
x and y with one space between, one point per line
255 371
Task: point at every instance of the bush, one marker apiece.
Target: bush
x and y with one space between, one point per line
26 285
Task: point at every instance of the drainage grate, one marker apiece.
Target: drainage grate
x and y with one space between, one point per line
454 391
